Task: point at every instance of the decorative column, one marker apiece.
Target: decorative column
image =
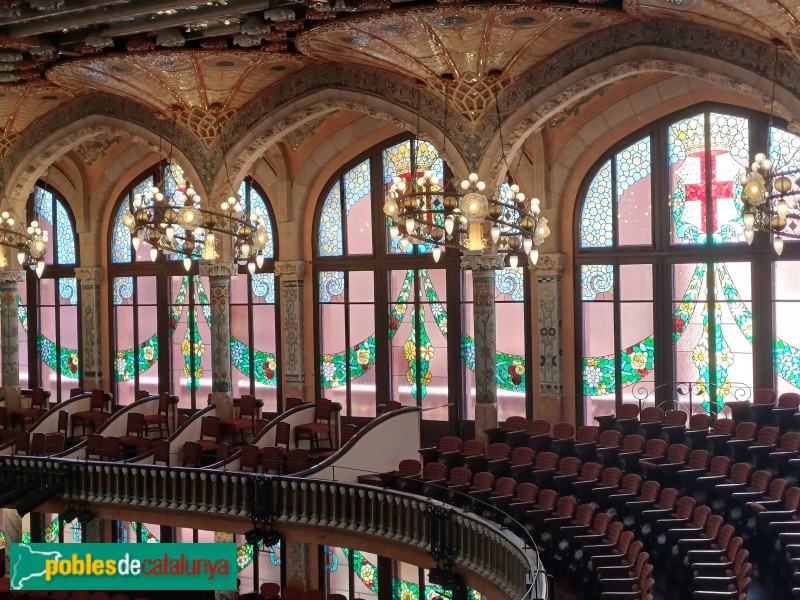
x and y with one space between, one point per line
226 538
551 389
291 273
12 528
219 276
483 268
91 358
9 337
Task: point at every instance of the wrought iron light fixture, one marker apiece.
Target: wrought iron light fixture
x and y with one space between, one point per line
182 224
506 223
770 193
30 243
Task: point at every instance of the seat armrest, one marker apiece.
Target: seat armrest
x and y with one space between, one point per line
605 560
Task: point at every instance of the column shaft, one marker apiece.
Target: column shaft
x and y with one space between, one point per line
293 376
484 335
219 276
548 279
9 337
91 358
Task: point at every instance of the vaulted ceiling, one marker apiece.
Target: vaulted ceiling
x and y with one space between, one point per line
204 61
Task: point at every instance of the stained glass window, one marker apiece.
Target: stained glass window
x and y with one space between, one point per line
706 339
49 324
597 212
162 313
417 359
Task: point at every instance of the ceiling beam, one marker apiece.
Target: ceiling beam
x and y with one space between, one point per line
91 17
182 19
30 14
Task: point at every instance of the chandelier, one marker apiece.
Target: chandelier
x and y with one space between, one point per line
30 243
769 201
507 223
183 224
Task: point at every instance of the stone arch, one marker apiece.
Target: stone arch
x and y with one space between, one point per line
252 143
58 142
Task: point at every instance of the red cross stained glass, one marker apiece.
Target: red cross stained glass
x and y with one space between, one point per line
696 187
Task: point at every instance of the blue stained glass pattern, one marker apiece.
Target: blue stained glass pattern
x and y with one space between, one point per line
356 185
259 205
123 289
784 150
331 286
65 238
686 136
597 213
597 280
633 164
68 289
61 229
509 282
329 237
263 286
121 249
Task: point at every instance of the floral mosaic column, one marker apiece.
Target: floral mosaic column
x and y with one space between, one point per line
219 277
291 273
9 336
91 359
551 389
12 531
224 538
483 311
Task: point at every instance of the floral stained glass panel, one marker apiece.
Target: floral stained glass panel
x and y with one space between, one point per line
786 345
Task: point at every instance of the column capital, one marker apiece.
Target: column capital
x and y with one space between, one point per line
482 262
291 268
550 264
89 275
215 269
14 276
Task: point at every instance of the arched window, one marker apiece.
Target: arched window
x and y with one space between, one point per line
161 336
48 307
394 324
669 290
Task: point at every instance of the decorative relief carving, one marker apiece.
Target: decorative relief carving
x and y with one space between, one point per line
482 262
89 275
290 268
14 276
550 263
215 269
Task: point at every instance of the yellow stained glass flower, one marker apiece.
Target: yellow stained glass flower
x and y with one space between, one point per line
409 350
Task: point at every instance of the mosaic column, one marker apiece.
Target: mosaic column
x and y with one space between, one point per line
225 538
484 332
291 273
9 336
551 389
219 277
91 357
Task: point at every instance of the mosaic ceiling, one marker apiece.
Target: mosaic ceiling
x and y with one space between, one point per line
203 61
203 88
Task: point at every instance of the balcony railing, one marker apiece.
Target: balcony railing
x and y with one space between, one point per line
481 546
